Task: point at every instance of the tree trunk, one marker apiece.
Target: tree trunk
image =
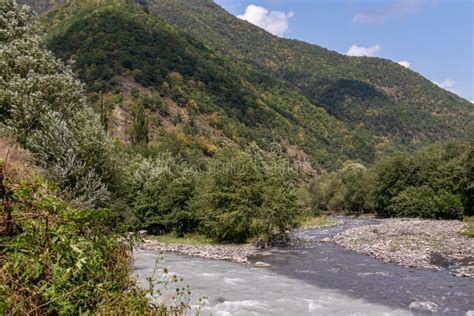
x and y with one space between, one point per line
6 205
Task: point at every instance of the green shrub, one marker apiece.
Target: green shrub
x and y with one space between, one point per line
414 202
155 104
439 171
160 193
139 130
424 202
61 260
345 190
45 106
449 206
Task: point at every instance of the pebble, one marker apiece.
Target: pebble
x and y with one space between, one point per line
219 252
433 244
424 306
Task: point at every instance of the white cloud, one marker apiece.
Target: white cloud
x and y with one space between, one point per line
404 63
472 101
447 84
380 14
275 22
370 51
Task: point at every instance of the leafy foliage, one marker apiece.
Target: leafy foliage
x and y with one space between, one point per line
440 168
245 194
45 106
345 190
424 202
62 260
234 196
161 190
434 182
140 125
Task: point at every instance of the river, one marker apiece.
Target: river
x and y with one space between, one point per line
317 278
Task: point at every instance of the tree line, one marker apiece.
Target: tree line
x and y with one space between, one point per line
436 182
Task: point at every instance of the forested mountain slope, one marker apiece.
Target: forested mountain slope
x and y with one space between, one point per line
381 95
202 96
208 78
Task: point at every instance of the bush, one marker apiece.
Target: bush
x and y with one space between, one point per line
139 130
77 156
345 190
160 193
60 260
44 104
414 202
424 202
449 206
439 167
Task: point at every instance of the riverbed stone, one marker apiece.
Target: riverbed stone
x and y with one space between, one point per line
432 244
260 264
218 252
424 306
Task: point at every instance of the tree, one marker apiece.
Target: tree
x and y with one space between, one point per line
139 132
437 171
345 190
160 193
469 172
413 202
244 194
44 104
34 83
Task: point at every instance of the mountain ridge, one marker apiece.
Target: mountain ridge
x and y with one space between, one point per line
329 106
318 69
106 40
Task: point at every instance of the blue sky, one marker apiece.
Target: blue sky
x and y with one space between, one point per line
432 37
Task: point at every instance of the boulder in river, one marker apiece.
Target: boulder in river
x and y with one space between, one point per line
260 264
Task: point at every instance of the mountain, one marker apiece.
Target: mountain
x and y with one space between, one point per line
194 94
388 99
207 78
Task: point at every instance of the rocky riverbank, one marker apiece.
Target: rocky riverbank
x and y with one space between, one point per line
430 244
219 252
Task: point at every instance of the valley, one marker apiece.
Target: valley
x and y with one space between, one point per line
141 140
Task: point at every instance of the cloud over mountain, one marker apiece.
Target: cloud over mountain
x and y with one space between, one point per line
275 22
370 51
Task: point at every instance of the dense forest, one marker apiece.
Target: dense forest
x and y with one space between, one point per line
121 120
384 97
236 100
